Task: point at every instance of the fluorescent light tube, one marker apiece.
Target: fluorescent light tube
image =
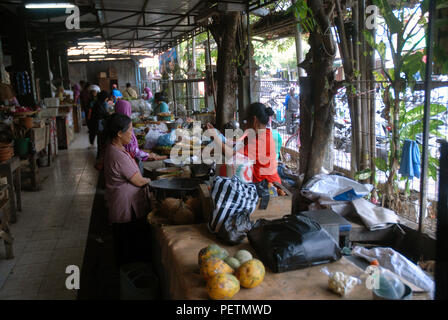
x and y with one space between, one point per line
49 5
96 44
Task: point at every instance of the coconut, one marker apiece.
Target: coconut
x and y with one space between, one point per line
169 206
183 215
195 205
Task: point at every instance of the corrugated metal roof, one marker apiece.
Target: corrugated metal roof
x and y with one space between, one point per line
152 24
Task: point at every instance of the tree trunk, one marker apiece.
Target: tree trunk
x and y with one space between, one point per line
306 119
323 51
224 30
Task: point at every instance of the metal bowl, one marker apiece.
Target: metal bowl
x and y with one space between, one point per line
175 188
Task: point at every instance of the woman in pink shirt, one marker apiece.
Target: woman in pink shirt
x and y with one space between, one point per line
124 107
126 194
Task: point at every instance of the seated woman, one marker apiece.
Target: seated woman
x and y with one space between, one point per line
259 146
124 107
126 194
160 105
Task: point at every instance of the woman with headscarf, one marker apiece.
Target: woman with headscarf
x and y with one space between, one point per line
76 92
148 93
124 107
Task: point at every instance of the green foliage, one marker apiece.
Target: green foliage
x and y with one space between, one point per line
381 165
393 23
304 15
271 54
363 175
412 64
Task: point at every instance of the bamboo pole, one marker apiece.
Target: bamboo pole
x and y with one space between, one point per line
426 114
372 103
358 127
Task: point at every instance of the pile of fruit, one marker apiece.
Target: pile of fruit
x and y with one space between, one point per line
226 274
18 110
164 150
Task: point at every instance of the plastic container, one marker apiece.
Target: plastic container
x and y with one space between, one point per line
22 146
138 282
27 122
390 288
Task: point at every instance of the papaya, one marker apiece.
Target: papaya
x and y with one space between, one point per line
222 286
214 266
233 262
212 250
251 273
243 256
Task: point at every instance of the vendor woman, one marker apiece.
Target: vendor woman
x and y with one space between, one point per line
160 104
260 148
124 107
126 195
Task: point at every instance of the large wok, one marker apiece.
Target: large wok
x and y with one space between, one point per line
175 188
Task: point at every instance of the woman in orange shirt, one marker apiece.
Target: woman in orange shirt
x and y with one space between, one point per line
258 143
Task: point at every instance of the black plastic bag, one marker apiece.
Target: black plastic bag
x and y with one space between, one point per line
292 242
234 230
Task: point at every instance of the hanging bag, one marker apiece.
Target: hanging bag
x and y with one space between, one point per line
234 202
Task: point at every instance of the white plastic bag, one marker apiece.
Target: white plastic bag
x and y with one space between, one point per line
389 259
334 187
151 138
339 282
375 218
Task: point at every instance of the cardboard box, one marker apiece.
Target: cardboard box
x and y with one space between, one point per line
39 138
102 75
104 84
52 102
113 73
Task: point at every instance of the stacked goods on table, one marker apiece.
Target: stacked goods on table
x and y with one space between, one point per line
6 151
18 111
225 275
6 143
164 116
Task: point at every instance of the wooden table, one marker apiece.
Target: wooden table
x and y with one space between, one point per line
176 247
11 170
65 129
77 118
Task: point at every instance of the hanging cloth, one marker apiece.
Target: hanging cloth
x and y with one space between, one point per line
410 160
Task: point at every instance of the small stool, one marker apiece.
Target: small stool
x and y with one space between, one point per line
11 170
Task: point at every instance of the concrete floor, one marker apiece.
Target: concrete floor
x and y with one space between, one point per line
52 229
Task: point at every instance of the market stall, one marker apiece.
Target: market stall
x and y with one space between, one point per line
27 136
180 272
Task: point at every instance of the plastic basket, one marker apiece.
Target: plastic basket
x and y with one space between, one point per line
22 146
138 282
